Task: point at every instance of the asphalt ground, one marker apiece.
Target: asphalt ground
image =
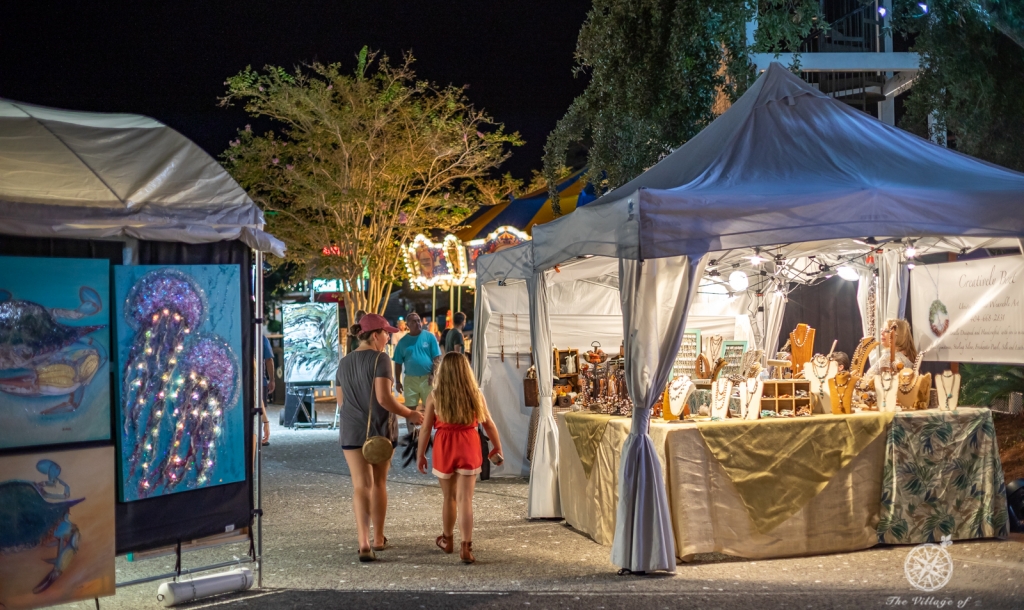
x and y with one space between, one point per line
310 557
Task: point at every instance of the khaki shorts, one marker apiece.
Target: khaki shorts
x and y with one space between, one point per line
416 390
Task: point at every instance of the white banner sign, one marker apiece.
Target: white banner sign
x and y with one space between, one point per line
971 311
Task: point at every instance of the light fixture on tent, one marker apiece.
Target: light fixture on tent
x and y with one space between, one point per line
738 281
911 251
848 273
757 259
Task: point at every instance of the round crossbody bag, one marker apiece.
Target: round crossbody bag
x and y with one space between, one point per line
376 449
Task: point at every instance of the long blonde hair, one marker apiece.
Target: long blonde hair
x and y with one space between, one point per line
457 398
901 337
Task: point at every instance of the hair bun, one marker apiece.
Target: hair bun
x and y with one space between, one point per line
355 329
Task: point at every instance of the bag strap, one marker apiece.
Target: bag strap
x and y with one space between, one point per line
373 391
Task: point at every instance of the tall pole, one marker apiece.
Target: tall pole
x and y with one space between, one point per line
433 306
258 394
459 296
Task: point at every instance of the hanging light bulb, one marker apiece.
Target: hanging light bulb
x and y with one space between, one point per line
911 251
882 12
738 281
848 273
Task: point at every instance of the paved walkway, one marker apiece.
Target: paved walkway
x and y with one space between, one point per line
310 553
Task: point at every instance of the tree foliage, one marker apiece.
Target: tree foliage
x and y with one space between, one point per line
971 80
361 163
660 71
655 68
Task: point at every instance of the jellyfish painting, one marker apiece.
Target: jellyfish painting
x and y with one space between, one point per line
180 379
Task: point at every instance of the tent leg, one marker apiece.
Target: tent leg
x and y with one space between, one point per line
433 306
258 393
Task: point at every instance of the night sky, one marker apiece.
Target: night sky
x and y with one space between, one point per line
169 60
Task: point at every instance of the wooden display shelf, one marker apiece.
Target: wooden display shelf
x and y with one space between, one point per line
560 370
774 389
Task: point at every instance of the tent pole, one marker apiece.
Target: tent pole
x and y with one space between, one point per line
258 383
459 293
433 305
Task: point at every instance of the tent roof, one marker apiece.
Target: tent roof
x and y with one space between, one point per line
789 164
76 174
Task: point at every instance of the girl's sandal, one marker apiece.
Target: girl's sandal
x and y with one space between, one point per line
466 553
446 543
367 555
383 546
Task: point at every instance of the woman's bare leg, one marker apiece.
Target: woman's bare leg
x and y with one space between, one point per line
379 501
464 486
362 483
448 507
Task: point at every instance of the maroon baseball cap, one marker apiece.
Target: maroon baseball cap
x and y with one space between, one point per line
372 322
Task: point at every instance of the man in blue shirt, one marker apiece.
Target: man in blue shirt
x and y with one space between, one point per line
418 354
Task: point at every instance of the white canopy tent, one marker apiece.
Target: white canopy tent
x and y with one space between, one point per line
113 176
785 165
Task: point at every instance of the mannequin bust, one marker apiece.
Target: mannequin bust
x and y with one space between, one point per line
801 345
948 387
886 388
750 398
721 392
841 393
819 370
679 391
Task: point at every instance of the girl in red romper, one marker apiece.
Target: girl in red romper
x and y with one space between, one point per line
455 408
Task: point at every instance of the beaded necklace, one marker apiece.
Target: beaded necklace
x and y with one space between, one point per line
885 380
807 334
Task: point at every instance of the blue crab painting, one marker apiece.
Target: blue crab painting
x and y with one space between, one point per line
34 513
40 356
54 351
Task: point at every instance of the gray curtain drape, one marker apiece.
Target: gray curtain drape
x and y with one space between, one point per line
543 500
656 295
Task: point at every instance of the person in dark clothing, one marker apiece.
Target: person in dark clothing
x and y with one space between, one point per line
455 341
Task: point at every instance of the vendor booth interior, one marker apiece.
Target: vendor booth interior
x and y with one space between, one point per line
673 413
129 310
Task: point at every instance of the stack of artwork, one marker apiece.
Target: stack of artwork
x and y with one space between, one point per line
179 418
56 507
311 350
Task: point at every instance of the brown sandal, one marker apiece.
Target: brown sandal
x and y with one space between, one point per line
466 554
446 543
383 546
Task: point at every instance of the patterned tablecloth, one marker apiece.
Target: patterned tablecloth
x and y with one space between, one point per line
942 477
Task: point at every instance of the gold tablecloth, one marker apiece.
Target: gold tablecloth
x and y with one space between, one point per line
777 465
586 431
707 511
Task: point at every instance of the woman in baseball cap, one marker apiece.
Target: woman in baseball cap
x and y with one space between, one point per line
368 409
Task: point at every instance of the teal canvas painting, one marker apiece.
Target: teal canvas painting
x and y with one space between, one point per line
54 351
180 421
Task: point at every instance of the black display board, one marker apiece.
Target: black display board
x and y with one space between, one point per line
165 520
831 309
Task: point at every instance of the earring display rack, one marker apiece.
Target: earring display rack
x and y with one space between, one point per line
781 395
689 349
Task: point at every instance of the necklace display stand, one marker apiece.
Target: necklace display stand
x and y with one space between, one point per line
886 389
679 392
721 392
841 393
913 389
947 385
750 398
819 370
702 367
801 345
713 347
